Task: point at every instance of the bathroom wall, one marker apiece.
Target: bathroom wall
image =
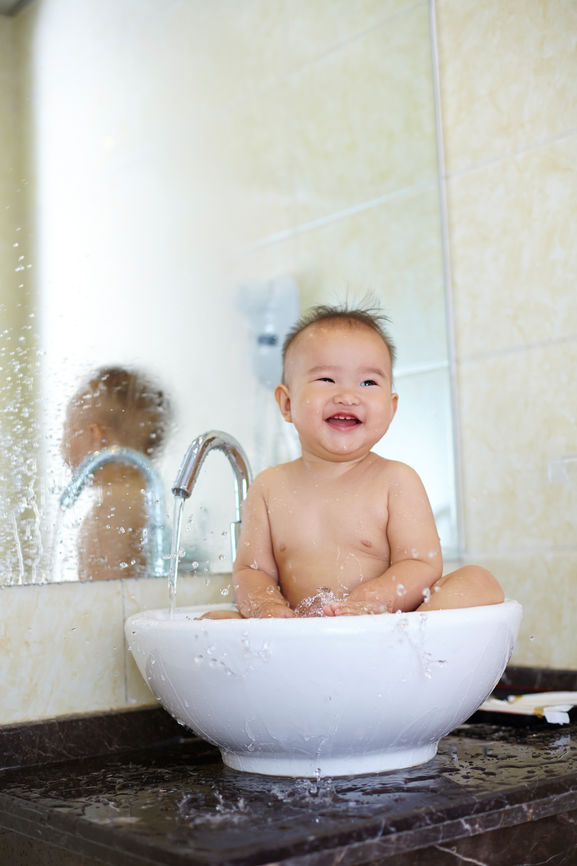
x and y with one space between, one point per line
357 206
63 649
509 100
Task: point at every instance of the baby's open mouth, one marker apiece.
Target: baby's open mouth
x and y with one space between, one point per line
342 421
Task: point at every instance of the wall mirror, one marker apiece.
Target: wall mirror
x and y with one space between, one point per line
174 178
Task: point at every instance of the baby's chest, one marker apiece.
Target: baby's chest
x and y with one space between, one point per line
337 523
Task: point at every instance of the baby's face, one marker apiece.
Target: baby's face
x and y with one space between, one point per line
338 390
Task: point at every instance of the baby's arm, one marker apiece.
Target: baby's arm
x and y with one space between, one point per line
415 553
110 542
255 574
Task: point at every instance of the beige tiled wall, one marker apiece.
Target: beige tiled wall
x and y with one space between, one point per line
509 101
63 648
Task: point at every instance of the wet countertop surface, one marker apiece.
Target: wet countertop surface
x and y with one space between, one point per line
494 786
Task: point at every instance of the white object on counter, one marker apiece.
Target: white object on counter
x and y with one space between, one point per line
552 706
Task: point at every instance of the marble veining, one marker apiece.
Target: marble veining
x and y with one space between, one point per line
492 788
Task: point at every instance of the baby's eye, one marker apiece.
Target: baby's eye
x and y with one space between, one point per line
325 379
366 382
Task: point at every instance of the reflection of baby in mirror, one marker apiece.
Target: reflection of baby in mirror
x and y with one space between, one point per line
114 407
342 530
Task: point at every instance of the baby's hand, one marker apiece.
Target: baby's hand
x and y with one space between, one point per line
354 608
270 609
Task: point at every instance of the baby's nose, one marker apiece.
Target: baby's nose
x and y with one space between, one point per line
347 398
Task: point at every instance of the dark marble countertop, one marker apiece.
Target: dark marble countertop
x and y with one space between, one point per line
497 787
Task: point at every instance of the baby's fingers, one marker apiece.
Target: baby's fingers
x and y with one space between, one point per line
354 608
340 610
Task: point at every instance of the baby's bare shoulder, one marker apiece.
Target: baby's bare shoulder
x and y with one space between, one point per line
394 468
403 485
394 472
273 478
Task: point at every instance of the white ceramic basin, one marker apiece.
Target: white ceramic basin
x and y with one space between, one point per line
324 696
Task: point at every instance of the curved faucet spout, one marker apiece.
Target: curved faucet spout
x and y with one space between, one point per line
215 440
154 497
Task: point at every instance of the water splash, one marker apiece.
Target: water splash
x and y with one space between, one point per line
314 604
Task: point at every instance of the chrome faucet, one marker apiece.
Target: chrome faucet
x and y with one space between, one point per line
154 497
189 470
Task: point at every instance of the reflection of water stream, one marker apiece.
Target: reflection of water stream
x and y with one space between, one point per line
18 547
56 547
62 551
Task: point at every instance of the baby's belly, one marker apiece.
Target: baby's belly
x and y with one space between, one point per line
300 580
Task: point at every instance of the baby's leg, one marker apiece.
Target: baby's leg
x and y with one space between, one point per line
221 614
469 586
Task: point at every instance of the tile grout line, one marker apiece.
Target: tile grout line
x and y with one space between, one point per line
124 647
519 349
513 154
334 217
447 284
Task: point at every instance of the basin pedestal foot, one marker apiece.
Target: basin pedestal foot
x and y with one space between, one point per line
354 765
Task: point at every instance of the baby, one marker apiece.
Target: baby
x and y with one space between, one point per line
342 531
119 407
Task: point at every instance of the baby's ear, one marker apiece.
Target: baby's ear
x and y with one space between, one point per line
283 399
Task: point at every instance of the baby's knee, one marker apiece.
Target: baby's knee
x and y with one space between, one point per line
221 614
483 584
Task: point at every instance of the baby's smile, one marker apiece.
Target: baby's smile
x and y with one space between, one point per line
342 421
